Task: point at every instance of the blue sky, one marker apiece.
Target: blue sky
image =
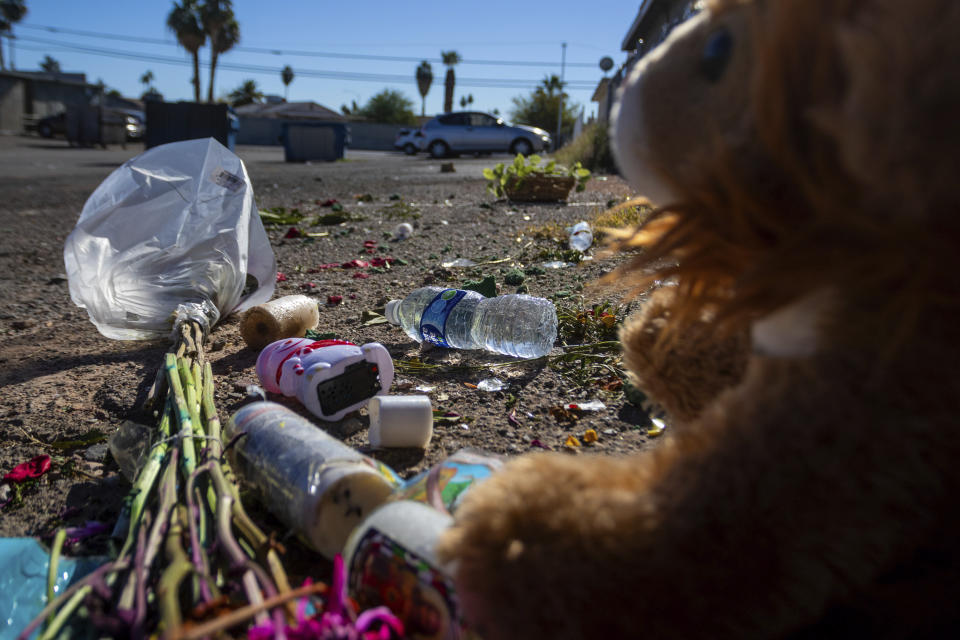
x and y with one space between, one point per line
491 31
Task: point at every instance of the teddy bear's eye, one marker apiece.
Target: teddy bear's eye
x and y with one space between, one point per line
716 54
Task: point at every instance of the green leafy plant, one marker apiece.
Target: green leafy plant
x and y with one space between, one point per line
524 167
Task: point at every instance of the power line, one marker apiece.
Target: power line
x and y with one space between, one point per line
304 53
501 83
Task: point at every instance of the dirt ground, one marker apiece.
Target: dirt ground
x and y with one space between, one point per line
64 388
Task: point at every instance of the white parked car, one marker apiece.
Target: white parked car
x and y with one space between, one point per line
408 141
476 132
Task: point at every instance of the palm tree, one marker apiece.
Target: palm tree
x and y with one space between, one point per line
450 58
222 28
184 21
287 76
146 79
552 84
424 80
466 100
246 93
11 12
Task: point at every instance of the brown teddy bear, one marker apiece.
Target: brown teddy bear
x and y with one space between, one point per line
806 155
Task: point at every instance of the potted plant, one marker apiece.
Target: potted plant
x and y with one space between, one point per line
526 180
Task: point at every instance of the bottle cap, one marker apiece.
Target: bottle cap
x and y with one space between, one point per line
390 312
400 421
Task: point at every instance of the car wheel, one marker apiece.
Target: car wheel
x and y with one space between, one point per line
409 149
521 146
439 149
45 130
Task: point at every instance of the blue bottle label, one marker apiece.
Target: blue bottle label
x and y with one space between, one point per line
433 322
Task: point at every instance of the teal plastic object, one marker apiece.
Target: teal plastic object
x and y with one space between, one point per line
23 581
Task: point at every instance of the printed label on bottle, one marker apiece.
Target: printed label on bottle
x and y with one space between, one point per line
385 573
433 322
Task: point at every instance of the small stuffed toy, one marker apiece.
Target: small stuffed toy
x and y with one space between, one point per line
805 155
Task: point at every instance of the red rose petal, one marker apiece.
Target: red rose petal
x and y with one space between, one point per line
31 469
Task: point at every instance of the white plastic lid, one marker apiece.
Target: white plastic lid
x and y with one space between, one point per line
400 421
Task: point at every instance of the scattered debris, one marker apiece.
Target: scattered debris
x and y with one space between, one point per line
491 384
486 287
659 426
514 277
593 405
459 262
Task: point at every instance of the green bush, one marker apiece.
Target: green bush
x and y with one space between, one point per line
591 149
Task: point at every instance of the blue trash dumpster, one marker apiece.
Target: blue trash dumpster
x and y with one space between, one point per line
176 121
303 141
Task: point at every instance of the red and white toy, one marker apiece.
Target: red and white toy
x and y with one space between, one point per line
330 377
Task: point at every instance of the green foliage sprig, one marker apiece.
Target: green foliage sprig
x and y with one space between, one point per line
523 167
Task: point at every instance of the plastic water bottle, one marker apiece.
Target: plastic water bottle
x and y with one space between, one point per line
514 325
580 236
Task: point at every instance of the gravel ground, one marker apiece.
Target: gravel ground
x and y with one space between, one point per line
64 388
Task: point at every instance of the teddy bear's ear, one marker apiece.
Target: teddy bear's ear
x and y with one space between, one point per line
681 101
898 126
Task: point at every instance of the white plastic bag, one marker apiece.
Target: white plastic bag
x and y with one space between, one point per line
174 226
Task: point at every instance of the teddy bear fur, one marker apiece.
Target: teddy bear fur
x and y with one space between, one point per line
811 485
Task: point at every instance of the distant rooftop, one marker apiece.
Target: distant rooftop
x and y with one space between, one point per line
290 111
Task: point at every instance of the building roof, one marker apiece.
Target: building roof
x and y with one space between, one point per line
76 79
600 93
633 33
290 111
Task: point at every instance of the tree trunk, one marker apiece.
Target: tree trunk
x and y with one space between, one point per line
423 106
213 69
448 85
3 65
196 76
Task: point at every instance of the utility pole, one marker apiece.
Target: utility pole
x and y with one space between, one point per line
563 66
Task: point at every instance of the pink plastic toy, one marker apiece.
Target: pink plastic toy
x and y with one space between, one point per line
330 377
